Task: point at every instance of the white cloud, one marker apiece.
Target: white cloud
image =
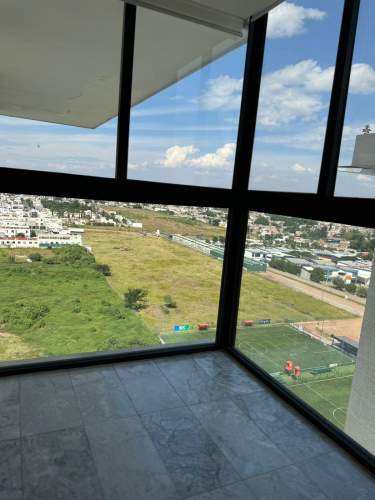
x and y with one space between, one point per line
177 155
362 80
222 157
289 19
297 167
296 91
223 92
186 156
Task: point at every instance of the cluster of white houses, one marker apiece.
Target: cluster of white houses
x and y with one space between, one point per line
25 225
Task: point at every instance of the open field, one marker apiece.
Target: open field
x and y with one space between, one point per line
169 224
58 306
64 307
193 281
328 392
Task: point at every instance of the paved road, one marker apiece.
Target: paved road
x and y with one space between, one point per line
334 300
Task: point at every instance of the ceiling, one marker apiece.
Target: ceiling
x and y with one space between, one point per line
60 61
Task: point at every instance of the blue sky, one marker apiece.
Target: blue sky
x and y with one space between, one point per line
187 133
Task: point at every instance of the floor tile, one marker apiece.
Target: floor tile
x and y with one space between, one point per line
10 470
101 395
339 477
48 403
128 464
231 377
9 408
287 483
190 381
194 461
244 444
292 433
147 387
59 465
238 491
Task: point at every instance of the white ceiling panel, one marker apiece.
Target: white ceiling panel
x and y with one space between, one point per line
60 60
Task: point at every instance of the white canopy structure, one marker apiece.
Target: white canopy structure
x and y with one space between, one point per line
60 60
364 155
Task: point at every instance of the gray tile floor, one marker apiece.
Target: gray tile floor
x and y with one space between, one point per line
197 427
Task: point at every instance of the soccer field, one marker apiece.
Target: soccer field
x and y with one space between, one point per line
328 392
272 345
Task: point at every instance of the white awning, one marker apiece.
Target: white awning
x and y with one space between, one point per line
60 60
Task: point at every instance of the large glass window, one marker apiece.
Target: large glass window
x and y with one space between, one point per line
184 121
60 86
303 298
300 56
83 276
356 175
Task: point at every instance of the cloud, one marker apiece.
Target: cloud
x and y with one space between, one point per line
223 92
289 19
222 157
186 156
297 167
296 91
362 80
177 155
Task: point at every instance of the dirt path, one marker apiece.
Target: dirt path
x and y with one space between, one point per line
349 327
326 296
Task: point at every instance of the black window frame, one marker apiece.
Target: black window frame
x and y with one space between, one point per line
239 200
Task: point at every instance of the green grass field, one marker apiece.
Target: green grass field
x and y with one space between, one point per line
193 280
271 346
167 223
52 309
58 307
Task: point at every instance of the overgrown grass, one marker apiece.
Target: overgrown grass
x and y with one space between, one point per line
193 281
63 308
169 224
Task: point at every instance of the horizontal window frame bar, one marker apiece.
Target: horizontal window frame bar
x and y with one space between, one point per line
348 211
12 368
341 438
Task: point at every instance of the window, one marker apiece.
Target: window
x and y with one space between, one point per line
87 276
357 159
295 92
184 123
65 84
303 299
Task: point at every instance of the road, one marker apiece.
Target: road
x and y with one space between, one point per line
326 296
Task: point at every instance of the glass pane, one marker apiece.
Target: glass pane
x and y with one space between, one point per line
85 276
184 119
296 86
303 302
59 86
356 174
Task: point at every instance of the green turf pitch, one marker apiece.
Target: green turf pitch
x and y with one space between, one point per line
330 397
272 345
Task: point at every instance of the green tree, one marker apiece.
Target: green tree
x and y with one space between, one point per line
169 302
362 291
317 275
35 257
262 220
351 288
104 269
338 283
136 299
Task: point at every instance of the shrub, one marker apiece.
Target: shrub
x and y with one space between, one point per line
35 257
103 269
362 291
338 283
136 299
169 302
